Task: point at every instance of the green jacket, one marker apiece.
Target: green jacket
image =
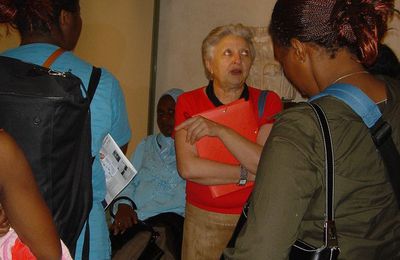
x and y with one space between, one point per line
288 200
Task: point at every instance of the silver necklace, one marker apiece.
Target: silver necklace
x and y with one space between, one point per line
348 75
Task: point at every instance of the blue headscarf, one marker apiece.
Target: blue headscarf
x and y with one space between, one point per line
173 92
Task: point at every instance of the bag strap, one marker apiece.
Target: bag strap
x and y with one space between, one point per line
361 104
86 243
380 130
125 198
94 77
50 60
261 102
93 82
143 224
382 137
330 236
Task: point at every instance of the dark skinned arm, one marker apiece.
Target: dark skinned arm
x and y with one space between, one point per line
23 204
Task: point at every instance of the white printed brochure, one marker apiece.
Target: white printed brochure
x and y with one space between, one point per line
118 170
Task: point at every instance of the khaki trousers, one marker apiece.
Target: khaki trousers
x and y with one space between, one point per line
206 233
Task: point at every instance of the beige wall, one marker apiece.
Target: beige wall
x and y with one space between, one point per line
118 37
183 26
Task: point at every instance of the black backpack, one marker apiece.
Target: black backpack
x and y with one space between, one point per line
48 116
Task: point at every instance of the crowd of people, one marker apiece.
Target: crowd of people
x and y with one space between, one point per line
227 148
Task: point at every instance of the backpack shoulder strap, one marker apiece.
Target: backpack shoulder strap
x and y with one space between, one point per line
261 102
380 130
94 77
53 57
93 82
356 99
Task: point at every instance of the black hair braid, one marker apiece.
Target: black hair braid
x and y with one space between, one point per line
360 25
306 20
315 23
8 11
34 16
38 16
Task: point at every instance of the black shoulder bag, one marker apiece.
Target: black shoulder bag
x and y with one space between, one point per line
151 251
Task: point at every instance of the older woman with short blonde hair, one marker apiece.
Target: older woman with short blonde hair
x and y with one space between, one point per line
228 54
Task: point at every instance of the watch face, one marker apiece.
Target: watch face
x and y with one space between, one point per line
242 182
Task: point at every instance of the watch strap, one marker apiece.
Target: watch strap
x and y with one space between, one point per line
243 175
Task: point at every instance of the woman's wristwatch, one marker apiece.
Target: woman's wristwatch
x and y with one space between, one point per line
243 176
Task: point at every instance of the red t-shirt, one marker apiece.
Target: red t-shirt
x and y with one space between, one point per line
196 101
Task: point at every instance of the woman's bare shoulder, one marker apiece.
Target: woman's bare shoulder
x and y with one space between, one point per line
8 147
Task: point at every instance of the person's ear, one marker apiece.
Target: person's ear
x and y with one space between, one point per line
209 66
300 50
64 19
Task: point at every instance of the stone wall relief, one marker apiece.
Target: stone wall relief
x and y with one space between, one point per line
266 72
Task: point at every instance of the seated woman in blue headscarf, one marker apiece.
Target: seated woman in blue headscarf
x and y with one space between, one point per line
157 191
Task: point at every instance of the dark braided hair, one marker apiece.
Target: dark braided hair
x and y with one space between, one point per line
7 11
36 16
358 25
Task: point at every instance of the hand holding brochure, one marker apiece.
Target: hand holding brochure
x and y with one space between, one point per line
118 169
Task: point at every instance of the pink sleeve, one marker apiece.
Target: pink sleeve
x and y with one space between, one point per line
11 247
65 252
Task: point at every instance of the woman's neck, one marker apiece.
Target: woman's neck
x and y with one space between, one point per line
52 38
344 68
227 94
